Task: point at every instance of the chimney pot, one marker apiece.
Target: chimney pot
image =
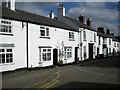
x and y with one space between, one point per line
108 31
89 22
82 19
101 29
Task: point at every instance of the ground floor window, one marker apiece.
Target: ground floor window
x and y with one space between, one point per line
45 54
68 53
6 55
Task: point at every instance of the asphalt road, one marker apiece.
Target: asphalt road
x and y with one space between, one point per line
102 73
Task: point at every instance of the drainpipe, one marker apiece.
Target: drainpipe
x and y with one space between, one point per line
27 46
80 47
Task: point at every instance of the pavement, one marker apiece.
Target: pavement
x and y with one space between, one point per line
101 73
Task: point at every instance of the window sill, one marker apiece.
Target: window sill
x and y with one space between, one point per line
45 37
10 34
71 39
7 64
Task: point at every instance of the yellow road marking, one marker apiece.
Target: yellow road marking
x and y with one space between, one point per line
53 83
58 75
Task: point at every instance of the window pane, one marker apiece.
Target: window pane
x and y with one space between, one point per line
48 56
44 50
3 58
9 50
47 32
42 32
2 50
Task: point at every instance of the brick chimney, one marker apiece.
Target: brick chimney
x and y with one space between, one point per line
101 29
51 15
89 22
82 19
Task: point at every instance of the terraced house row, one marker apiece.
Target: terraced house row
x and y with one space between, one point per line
28 40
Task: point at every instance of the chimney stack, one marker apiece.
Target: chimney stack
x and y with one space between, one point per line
82 19
101 29
61 10
9 4
112 34
108 32
89 22
51 15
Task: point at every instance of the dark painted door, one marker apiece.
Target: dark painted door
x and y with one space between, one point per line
76 55
97 52
107 52
113 52
55 56
90 51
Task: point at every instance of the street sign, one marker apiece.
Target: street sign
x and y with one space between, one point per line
81 44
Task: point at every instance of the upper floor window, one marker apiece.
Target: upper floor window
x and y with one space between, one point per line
5 26
71 35
114 44
94 37
44 31
117 44
84 35
109 41
104 40
99 41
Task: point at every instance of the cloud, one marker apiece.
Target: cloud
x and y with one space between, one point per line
99 14
35 7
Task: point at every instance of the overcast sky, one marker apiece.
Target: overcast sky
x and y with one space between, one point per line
101 13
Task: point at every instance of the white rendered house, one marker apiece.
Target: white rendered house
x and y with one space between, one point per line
29 40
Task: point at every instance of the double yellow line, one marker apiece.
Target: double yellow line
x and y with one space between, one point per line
54 81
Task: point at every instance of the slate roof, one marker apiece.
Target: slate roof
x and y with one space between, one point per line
102 34
106 36
32 18
79 23
114 38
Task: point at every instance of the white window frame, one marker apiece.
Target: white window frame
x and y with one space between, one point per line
68 52
71 36
7 24
7 53
46 30
45 52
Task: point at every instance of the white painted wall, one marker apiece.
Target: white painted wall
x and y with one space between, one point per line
19 51
57 36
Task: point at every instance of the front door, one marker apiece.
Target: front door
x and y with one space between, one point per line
90 51
55 56
97 52
76 55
